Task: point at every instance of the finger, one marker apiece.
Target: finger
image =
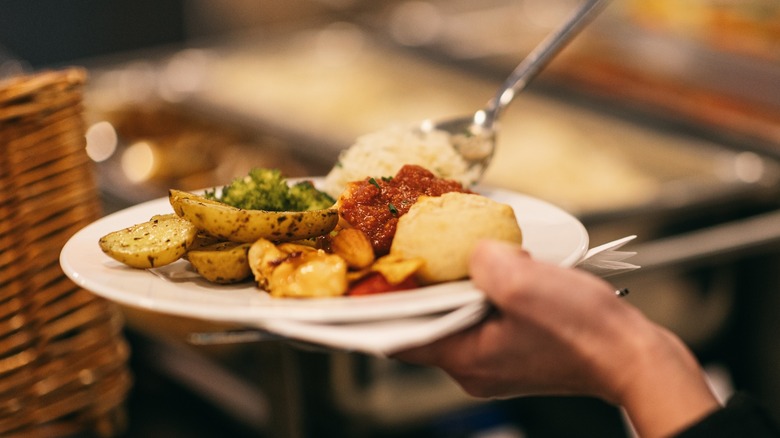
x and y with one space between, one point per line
485 247
496 267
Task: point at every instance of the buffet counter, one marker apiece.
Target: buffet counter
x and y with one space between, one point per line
296 100
321 89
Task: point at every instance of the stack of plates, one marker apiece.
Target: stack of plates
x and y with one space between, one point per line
63 361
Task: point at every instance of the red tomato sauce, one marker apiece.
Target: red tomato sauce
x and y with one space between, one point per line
375 204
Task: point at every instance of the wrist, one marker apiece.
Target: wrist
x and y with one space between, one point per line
665 390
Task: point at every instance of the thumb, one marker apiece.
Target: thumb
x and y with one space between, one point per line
492 262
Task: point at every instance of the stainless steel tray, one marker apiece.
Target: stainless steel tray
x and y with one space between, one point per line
321 88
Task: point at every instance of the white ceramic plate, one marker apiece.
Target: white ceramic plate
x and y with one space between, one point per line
549 233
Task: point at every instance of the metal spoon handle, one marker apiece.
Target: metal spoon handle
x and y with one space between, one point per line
538 59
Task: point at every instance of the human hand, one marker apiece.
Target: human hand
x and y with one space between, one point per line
563 331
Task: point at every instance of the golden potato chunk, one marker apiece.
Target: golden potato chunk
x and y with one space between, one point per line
222 262
297 271
239 225
151 244
396 269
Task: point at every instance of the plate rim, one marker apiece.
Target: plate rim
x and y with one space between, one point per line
427 300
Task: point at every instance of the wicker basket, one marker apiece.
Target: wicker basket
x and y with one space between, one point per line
63 358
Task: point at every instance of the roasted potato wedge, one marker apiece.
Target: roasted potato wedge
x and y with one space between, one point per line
222 262
202 240
159 217
151 244
238 225
354 247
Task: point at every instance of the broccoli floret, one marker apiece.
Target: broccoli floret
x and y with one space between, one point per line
306 197
261 189
267 189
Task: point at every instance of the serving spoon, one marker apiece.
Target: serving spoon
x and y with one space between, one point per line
474 136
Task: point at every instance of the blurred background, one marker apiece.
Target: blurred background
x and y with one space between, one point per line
661 120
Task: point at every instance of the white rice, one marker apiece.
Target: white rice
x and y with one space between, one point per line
384 152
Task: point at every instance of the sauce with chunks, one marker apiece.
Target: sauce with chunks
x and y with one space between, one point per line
374 205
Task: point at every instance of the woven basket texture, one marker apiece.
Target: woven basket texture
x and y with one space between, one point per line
63 358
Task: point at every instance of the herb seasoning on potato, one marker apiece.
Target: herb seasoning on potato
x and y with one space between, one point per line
151 244
384 234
